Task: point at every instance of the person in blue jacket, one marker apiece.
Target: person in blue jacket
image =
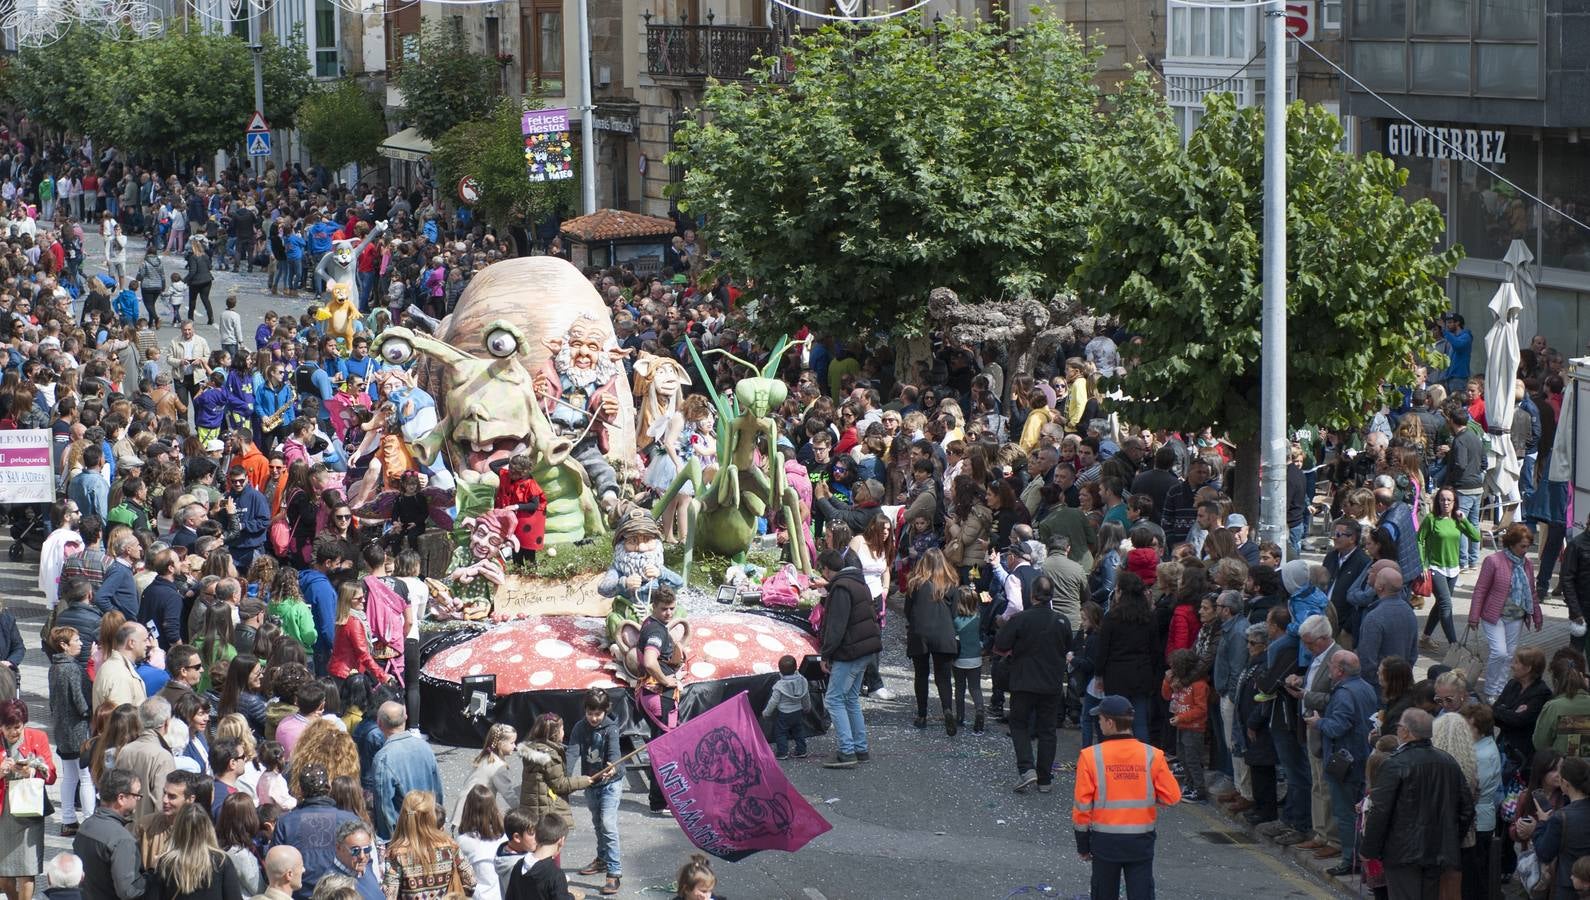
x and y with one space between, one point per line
126 304
315 587
161 602
1457 343
1345 725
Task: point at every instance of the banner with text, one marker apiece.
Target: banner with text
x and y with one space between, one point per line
548 152
26 475
725 788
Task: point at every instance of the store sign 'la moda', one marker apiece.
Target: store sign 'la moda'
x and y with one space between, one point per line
1482 144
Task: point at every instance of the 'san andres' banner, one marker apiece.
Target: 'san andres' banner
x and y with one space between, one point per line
726 789
548 152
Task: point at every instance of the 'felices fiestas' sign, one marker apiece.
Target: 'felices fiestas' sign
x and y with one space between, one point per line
548 152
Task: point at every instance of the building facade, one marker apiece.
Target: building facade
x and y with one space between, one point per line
1221 50
1501 88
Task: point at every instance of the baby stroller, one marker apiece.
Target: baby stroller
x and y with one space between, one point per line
28 530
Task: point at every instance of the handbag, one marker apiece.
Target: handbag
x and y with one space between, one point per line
25 798
280 536
1340 765
1528 870
1463 658
1424 585
455 885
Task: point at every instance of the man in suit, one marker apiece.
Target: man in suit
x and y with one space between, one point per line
1312 689
1345 563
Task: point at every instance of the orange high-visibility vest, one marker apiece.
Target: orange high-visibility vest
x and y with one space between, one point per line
1120 784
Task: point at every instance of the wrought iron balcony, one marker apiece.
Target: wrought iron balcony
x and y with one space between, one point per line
724 52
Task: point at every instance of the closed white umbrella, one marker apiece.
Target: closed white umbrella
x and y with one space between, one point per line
1522 277
1501 376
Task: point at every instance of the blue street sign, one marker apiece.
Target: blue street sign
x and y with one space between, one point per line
259 143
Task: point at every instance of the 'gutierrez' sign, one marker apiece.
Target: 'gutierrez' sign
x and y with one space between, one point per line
1481 144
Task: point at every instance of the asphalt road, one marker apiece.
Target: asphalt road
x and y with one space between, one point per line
929 817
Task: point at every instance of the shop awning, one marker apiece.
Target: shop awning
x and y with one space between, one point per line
405 145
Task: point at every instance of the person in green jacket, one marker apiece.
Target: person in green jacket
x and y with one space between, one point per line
287 607
1438 548
133 511
1564 723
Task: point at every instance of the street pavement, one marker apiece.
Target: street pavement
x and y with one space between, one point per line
930 816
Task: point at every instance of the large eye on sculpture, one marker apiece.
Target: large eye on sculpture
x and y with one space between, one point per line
501 343
397 351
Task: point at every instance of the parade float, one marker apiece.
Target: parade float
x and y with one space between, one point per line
529 451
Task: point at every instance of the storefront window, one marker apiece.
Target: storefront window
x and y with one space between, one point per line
1490 213
1508 70
1503 21
1379 65
1567 167
1441 68
1383 19
1427 180
1431 17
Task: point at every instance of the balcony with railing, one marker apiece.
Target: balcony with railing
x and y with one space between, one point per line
724 52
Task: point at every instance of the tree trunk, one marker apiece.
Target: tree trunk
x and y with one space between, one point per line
908 352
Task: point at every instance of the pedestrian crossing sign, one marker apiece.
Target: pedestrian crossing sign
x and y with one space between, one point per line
259 144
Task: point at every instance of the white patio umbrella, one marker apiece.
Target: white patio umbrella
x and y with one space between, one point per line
1522 277
1501 375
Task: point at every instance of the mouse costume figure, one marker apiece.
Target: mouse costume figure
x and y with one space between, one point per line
578 389
637 570
337 267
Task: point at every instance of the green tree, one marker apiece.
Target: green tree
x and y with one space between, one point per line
450 84
898 159
491 150
192 94
341 125
1174 253
289 79
55 84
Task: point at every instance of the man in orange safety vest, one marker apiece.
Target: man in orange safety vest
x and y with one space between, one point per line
1121 782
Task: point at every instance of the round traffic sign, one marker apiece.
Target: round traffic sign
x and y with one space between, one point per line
468 190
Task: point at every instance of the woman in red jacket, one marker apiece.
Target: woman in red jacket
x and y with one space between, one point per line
350 649
24 753
1184 624
518 491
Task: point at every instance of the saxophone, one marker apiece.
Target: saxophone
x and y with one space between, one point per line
270 423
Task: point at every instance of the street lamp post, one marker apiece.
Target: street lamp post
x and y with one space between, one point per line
1273 445
257 49
587 117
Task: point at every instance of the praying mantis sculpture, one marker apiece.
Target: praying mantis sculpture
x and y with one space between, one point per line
722 515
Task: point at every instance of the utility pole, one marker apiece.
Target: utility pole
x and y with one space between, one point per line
587 117
257 47
1273 445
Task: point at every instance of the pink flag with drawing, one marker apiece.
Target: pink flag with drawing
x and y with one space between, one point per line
725 788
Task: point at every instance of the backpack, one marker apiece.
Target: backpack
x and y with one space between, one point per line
304 379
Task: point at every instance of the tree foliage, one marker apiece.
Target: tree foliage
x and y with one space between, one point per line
341 125
451 84
491 150
185 94
54 85
1174 253
900 158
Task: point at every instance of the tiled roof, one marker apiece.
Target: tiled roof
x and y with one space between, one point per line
614 224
